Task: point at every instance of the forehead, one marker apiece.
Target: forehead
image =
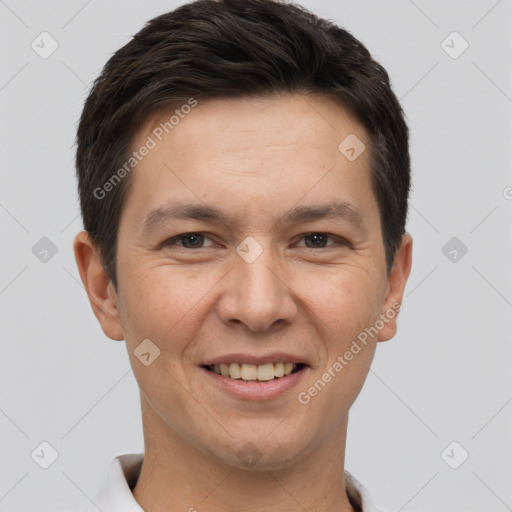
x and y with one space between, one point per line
272 120
247 154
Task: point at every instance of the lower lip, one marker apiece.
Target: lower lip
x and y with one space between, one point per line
257 390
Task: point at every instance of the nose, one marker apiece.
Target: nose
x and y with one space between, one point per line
257 294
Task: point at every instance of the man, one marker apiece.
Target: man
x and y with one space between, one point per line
244 174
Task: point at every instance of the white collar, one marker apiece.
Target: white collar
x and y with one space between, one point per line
116 496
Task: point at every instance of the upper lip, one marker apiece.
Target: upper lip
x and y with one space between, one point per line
244 358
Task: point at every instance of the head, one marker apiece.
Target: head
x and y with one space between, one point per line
275 141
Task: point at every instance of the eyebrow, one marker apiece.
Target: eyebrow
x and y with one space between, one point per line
337 210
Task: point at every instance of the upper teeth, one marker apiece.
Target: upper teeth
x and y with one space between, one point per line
253 371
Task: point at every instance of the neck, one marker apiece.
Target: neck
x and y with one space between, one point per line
178 476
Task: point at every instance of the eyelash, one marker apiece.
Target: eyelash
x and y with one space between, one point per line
337 240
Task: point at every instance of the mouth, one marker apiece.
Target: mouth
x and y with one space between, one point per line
255 382
255 372
260 377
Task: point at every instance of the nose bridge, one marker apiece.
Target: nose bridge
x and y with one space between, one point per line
260 283
256 294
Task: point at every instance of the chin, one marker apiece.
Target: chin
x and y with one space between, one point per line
261 452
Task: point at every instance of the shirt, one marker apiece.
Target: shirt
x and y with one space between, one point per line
115 495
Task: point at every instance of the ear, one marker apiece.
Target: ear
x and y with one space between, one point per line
397 279
99 287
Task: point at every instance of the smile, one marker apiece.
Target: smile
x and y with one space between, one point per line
248 381
257 372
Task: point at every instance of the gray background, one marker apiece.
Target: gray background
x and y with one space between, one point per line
445 377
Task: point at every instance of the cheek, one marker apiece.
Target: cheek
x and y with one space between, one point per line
157 302
167 305
348 307
346 300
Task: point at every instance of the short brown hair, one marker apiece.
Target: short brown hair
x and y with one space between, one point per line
225 49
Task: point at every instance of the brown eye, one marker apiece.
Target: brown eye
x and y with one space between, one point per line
189 241
316 240
192 241
323 241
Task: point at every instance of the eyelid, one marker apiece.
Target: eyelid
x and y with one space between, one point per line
338 240
173 241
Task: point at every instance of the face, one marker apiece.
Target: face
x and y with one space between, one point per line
249 237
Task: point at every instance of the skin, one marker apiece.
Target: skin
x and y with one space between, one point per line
254 159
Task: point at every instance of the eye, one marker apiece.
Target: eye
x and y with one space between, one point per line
319 240
189 241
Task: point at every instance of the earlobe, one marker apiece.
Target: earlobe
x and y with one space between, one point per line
100 290
397 279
